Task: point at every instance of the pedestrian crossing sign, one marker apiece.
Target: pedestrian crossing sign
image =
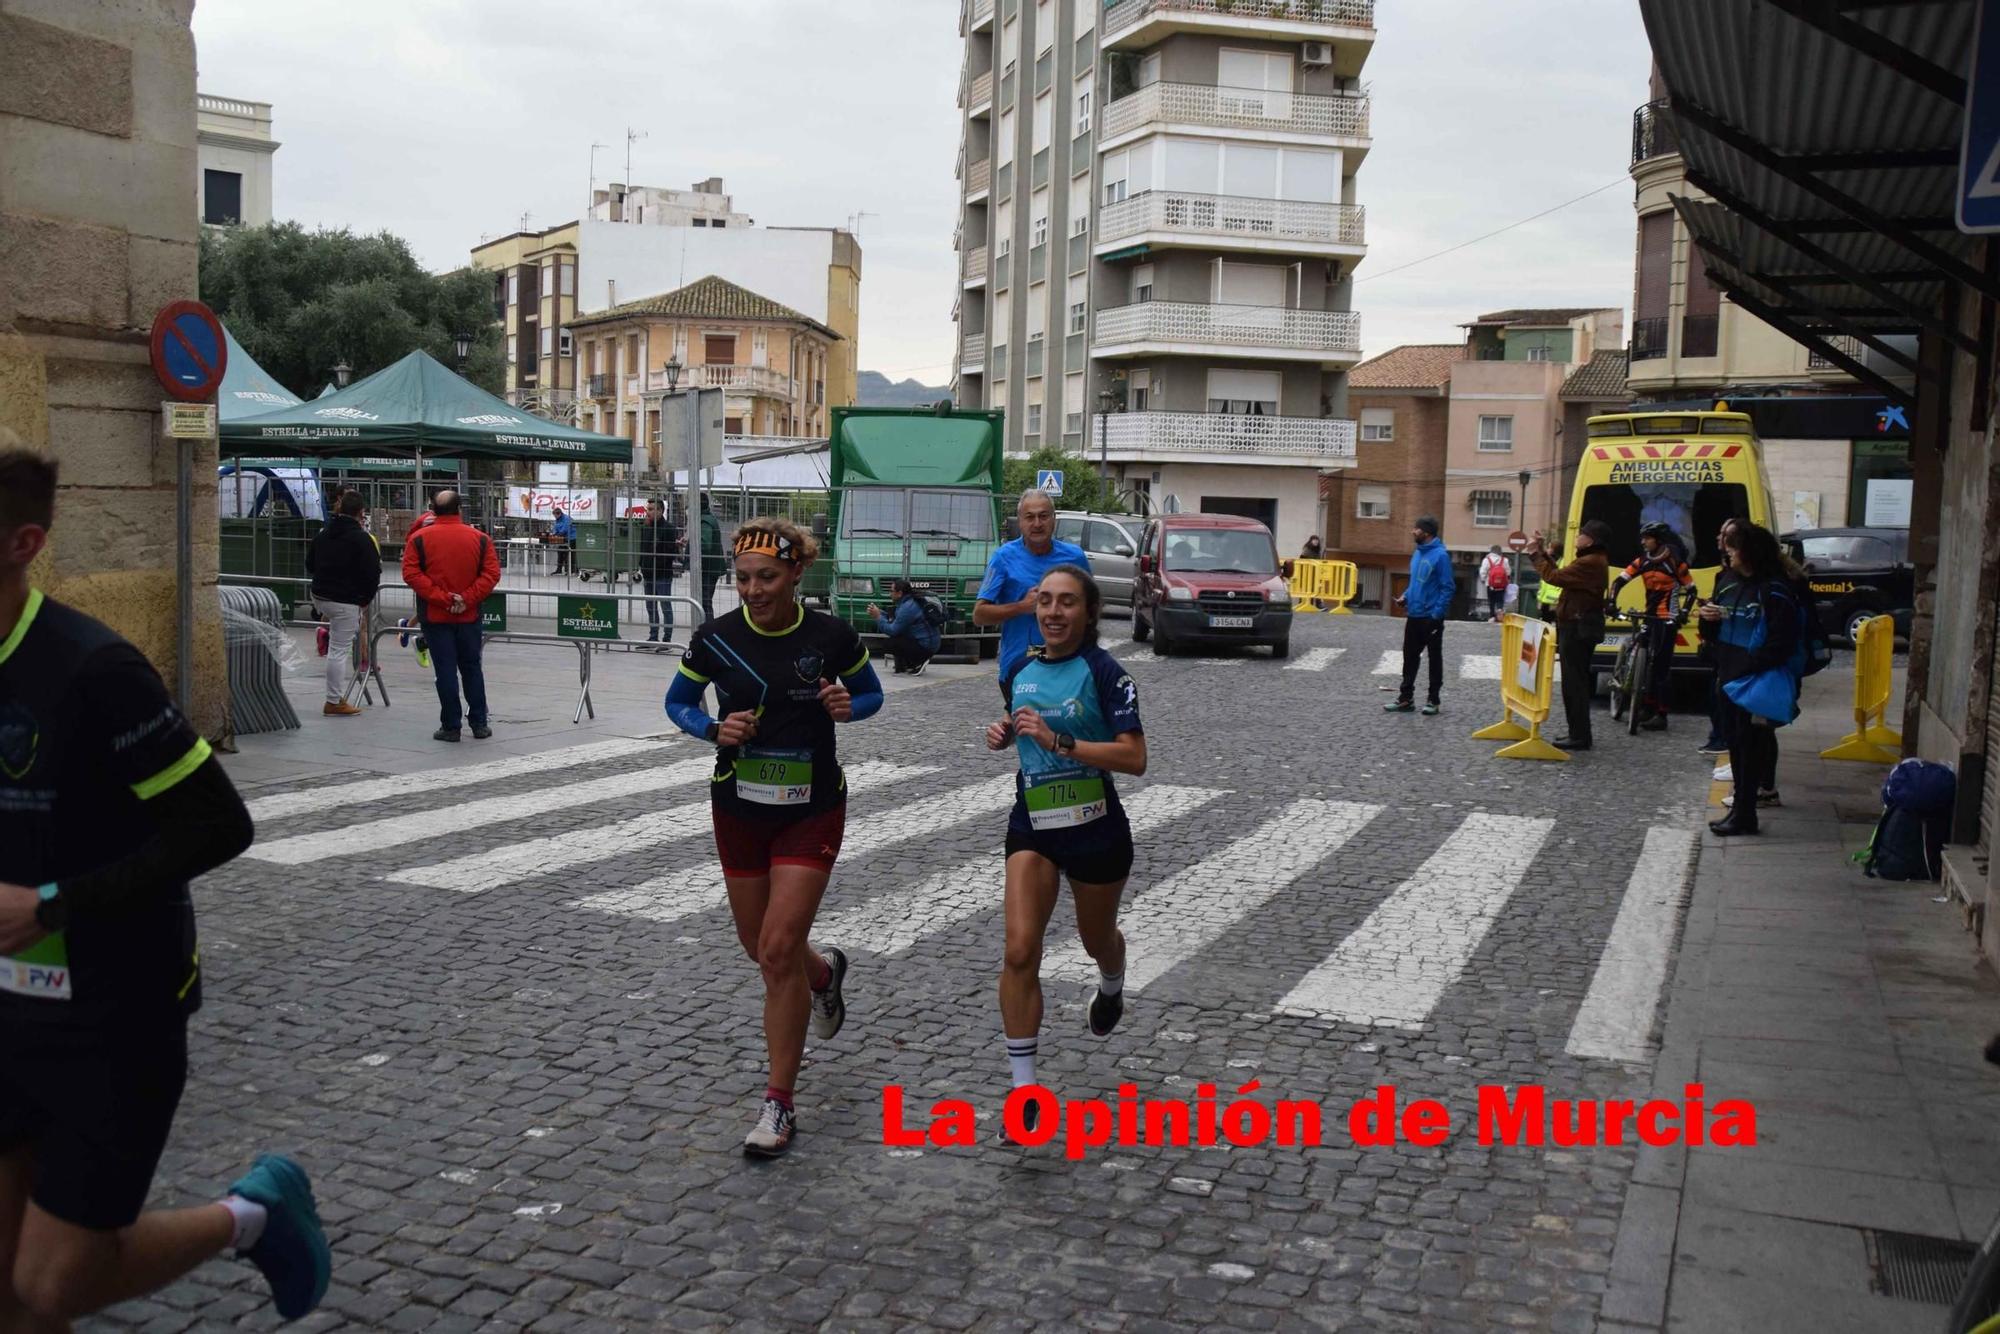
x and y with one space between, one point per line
1049 480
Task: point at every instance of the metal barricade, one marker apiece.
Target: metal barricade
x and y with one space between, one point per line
1872 737
257 701
1527 647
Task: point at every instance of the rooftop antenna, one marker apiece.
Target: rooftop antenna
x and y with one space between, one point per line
630 136
594 146
525 215
854 222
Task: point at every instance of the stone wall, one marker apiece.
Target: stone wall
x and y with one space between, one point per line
97 232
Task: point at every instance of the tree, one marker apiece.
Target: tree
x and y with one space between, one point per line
301 301
1083 489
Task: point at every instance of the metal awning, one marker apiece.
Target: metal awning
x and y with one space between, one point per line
1493 495
1827 134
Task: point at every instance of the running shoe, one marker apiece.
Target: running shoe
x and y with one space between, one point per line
423 653
292 1253
1031 1115
1713 747
1105 1012
1400 706
772 1134
1724 774
1431 709
918 670
829 1011
1765 798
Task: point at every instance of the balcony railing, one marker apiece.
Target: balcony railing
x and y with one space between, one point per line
979 177
975 13
1233 216
973 358
1342 13
1846 344
981 91
600 386
759 380
1311 333
975 264
1649 338
1328 441
1653 133
1237 109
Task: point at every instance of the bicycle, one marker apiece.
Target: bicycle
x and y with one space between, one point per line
1632 669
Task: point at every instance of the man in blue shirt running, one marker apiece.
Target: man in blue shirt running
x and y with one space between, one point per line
1007 598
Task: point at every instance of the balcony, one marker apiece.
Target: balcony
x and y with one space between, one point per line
976 16
751 381
974 267
1330 337
979 97
979 179
1349 25
1213 437
972 360
1649 338
1194 107
1162 219
1653 133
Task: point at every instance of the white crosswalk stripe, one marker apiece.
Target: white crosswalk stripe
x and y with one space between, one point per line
482 871
1318 660
286 804
668 898
395 831
1112 645
1393 969
1616 1021
894 922
1171 922
1389 664
1479 667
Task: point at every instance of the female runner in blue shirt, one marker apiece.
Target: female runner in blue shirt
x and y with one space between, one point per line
1074 722
783 676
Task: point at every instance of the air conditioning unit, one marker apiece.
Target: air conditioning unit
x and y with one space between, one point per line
1319 53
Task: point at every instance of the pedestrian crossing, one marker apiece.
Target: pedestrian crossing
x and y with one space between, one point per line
1471 667
1316 660
1414 942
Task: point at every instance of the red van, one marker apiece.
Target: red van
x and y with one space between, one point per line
1210 579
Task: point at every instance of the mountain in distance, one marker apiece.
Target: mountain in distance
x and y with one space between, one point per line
874 390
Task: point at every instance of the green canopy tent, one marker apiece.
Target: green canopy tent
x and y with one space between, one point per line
415 408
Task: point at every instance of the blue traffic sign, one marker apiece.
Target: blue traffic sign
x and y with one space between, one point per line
1049 480
1979 154
188 352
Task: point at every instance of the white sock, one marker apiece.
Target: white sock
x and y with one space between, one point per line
249 1217
1111 983
1021 1056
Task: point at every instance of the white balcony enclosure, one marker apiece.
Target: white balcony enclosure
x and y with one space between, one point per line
1348 25
1193 108
979 178
972 361
1165 219
1184 328
1214 437
975 267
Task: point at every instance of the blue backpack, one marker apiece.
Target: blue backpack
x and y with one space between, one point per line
1917 801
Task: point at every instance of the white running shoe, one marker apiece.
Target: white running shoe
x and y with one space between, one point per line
1723 774
772 1134
829 1011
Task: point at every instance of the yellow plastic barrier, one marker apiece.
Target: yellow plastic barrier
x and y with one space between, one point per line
1874 651
1526 644
1344 584
1317 581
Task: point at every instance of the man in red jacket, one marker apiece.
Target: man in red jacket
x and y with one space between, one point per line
452 567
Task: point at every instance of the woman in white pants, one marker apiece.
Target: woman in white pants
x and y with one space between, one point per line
346 571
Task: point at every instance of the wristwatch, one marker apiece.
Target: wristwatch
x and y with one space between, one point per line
1065 742
714 732
50 914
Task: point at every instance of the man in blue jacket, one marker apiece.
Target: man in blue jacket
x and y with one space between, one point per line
1426 602
565 535
912 638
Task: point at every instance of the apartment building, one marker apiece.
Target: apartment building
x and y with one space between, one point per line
534 296
770 360
1401 401
234 150
1691 344
703 204
1160 219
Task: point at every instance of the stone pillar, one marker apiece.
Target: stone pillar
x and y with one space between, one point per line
97 232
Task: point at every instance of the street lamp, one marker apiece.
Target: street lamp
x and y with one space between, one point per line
673 374
342 373
1105 400
461 347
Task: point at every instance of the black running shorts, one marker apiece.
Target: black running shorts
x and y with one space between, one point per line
92 1109
1104 864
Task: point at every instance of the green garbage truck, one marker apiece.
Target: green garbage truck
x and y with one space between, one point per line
915 495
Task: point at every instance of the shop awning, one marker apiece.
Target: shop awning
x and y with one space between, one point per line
248 390
417 406
1826 133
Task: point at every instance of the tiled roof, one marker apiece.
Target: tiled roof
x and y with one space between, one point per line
1601 379
709 298
1412 366
1532 316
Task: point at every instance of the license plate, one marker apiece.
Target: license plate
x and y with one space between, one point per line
1231 622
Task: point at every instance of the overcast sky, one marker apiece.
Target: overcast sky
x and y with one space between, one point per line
446 120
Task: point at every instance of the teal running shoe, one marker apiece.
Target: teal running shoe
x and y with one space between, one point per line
292 1253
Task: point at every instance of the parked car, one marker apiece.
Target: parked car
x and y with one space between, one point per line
1857 573
1112 543
1210 579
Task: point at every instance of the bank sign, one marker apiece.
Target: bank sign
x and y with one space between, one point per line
586 617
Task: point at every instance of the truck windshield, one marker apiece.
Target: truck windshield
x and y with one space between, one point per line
1694 510
1220 551
965 516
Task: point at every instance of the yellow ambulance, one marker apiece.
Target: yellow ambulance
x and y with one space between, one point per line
1688 470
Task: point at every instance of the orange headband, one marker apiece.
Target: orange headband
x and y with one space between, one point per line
753 542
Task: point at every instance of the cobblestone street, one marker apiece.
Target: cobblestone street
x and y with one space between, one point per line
500 1012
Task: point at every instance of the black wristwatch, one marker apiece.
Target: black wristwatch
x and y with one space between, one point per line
714 733
1065 742
51 914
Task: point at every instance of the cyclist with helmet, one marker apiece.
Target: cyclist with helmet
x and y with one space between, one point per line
1663 571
